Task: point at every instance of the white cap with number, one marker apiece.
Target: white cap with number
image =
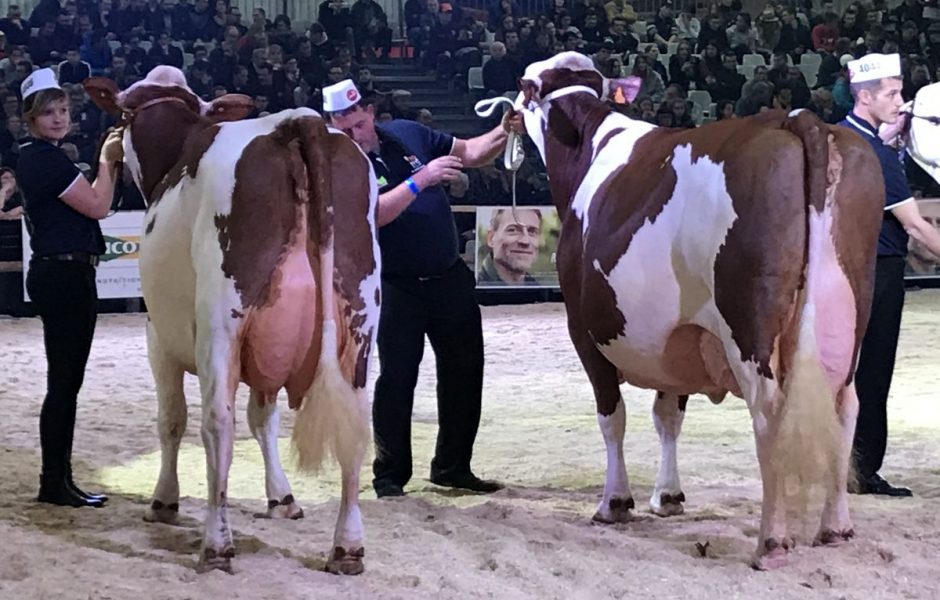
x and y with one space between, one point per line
874 66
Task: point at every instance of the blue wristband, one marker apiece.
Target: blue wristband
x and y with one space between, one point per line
412 186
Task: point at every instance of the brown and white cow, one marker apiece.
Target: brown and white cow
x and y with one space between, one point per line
737 257
259 263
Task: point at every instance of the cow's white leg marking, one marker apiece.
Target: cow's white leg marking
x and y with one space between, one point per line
836 525
171 425
264 421
617 501
667 496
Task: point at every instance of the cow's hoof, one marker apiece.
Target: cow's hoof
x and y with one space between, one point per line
773 554
346 563
285 508
616 510
163 513
216 561
667 505
830 537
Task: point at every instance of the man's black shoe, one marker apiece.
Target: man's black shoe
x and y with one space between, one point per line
467 481
389 490
876 484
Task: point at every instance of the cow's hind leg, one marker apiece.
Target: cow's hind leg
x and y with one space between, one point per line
171 425
836 523
346 558
264 421
773 543
216 355
668 413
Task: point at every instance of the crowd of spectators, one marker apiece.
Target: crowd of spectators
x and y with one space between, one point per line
745 63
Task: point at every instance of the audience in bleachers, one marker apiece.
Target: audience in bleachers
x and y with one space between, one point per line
697 65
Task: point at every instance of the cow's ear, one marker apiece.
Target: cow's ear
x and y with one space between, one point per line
625 90
562 128
103 92
529 91
230 107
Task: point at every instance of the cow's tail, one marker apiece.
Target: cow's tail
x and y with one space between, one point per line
334 416
808 437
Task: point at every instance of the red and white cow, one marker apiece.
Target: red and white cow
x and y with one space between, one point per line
737 257
259 239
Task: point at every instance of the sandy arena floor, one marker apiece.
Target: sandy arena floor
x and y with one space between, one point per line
533 540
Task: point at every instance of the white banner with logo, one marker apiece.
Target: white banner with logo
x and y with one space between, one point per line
117 275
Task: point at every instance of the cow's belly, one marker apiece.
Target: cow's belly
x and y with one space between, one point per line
662 351
278 342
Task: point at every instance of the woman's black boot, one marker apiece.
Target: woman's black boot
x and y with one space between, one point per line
54 489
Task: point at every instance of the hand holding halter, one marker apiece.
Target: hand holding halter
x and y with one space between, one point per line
513 155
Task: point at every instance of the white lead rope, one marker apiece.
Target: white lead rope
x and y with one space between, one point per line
513 155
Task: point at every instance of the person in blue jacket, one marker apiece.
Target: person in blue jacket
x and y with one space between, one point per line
875 81
427 289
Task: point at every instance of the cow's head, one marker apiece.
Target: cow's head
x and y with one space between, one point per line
158 114
924 135
563 74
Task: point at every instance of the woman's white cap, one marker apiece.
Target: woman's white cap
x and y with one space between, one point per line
41 79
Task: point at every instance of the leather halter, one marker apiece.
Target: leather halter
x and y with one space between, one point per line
129 114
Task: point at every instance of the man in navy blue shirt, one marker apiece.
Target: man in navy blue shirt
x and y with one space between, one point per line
876 82
427 289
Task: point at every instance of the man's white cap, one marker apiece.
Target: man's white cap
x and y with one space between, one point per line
874 66
340 96
41 79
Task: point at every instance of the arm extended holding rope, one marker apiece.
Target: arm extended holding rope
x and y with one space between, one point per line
482 149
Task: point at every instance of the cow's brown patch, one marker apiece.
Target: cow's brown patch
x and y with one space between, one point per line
350 200
760 268
270 184
857 214
164 151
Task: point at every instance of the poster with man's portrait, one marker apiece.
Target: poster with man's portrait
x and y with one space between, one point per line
921 263
516 248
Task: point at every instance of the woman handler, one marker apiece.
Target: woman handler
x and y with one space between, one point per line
62 211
